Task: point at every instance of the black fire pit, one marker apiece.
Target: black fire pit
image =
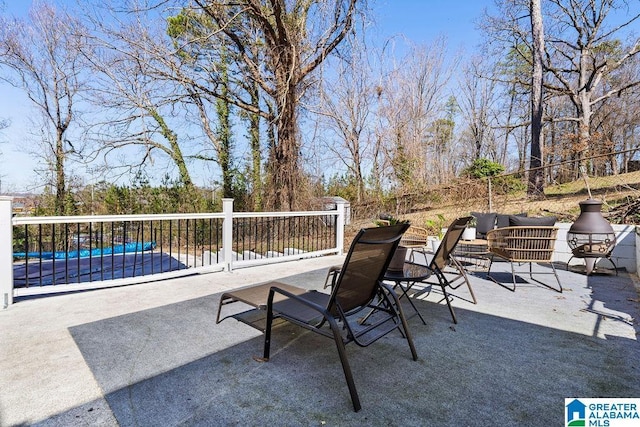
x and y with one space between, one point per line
591 237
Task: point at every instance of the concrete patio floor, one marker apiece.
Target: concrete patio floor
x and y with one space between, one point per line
152 355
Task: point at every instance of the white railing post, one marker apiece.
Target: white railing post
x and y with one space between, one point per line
6 252
341 207
227 233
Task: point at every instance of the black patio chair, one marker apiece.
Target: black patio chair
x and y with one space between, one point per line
358 291
442 260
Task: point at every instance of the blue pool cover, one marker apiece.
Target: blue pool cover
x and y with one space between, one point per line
41 272
84 253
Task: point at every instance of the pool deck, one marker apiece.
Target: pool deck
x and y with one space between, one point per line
153 355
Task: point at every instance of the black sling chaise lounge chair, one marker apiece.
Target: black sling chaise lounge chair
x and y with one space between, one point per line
358 292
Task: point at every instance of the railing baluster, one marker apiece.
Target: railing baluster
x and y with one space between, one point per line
78 250
162 247
218 237
26 252
246 231
151 251
102 251
135 248
90 253
171 240
186 233
179 241
53 258
124 242
113 234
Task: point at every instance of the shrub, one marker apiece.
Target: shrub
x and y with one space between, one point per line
481 168
508 184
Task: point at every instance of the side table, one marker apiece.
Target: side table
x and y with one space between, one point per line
404 280
473 255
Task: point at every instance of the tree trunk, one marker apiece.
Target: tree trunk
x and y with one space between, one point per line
256 156
284 164
223 112
536 172
174 151
59 205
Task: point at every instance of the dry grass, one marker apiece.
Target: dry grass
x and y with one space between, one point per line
460 199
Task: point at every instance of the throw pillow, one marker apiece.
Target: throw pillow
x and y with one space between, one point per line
544 221
484 223
503 219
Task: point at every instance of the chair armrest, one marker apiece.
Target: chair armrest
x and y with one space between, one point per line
497 241
286 308
389 290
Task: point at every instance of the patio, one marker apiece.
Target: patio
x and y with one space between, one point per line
151 354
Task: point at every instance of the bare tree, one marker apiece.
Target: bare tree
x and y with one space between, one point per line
413 96
586 49
213 73
42 57
477 97
137 108
511 107
295 38
616 122
583 54
346 105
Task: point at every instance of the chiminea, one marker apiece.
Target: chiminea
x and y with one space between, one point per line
591 237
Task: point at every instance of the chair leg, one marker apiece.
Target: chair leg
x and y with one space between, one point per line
559 289
267 328
339 344
443 285
557 279
465 278
342 352
446 298
513 277
332 275
405 326
489 268
513 274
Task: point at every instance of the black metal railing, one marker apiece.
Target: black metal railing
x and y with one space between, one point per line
87 251
280 236
72 250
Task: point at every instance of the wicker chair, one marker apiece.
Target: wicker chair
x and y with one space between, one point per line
415 237
521 245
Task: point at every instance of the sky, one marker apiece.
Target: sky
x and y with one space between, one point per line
420 21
